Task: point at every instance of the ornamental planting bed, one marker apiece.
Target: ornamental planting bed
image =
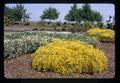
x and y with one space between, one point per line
20 67
33 59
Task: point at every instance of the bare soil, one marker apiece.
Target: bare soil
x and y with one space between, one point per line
20 67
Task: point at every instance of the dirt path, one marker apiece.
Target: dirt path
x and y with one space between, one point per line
20 67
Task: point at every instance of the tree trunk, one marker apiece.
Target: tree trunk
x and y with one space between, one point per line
50 21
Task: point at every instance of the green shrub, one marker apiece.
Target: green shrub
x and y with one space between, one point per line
27 23
35 29
67 27
75 36
58 24
100 25
76 28
86 26
43 23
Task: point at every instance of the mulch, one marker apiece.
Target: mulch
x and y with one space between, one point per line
20 67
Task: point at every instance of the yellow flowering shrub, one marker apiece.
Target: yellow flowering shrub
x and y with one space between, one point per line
6 21
69 57
102 34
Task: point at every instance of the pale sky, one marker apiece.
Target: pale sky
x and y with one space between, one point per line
36 10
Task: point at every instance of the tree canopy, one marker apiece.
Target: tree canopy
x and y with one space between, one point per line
73 14
50 14
85 13
16 13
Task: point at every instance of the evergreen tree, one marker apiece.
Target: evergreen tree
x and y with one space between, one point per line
50 14
73 14
97 16
87 13
83 14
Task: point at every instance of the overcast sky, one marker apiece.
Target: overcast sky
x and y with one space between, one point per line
36 10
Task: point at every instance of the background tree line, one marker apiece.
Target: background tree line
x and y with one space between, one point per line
18 13
83 14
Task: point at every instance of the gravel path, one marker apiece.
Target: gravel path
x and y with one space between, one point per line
20 67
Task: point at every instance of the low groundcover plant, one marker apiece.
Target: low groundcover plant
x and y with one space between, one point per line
69 57
19 43
15 46
102 34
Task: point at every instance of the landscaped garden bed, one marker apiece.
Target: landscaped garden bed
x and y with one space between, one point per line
20 67
49 44
24 51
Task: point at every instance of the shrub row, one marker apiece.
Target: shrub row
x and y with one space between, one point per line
75 36
18 43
